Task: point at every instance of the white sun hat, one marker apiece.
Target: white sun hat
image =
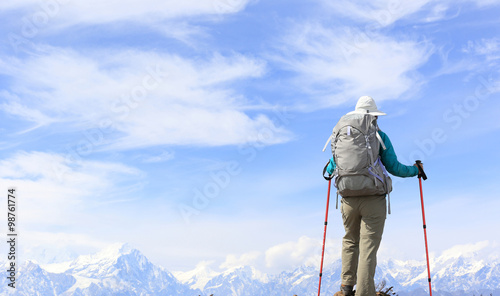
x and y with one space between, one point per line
366 105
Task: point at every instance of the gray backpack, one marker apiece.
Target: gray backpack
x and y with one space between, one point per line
355 146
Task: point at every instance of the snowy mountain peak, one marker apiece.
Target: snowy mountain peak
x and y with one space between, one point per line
116 250
122 270
116 270
199 276
30 265
249 272
110 255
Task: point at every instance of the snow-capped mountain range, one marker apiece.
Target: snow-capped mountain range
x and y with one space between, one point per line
123 270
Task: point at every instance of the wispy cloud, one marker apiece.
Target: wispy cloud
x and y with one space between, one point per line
485 250
162 157
147 98
489 48
54 191
384 13
485 3
55 247
247 259
336 64
304 251
13 106
30 19
99 12
481 56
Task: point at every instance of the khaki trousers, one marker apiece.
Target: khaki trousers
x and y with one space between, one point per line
364 219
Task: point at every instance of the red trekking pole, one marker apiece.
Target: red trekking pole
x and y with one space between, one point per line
421 175
324 236
329 178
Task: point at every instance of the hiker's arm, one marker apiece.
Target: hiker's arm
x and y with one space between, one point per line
390 160
331 166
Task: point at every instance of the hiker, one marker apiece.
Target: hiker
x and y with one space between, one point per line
362 155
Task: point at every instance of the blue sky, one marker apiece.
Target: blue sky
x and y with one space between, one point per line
193 130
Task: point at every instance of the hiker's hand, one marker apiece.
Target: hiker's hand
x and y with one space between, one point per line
421 166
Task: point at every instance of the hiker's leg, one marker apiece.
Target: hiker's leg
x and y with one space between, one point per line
373 212
350 242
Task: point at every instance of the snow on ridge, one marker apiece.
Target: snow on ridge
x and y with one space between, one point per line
479 249
300 277
82 283
57 267
249 271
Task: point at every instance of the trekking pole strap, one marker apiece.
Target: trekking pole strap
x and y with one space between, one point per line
329 177
421 173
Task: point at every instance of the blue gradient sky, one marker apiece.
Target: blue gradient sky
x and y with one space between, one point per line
194 131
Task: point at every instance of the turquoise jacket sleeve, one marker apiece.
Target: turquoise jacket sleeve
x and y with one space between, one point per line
331 166
389 159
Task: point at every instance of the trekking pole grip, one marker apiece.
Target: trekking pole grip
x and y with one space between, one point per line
421 173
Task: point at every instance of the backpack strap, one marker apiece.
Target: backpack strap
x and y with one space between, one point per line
337 201
389 204
327 141
380 140
379 137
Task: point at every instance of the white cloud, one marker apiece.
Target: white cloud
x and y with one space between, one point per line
57 247
481 56
148 98
481 250
338 64
304 251
170 18
437 12
162 157
14 107
487 47
484 3
72 12
382 12
247 259
53 191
